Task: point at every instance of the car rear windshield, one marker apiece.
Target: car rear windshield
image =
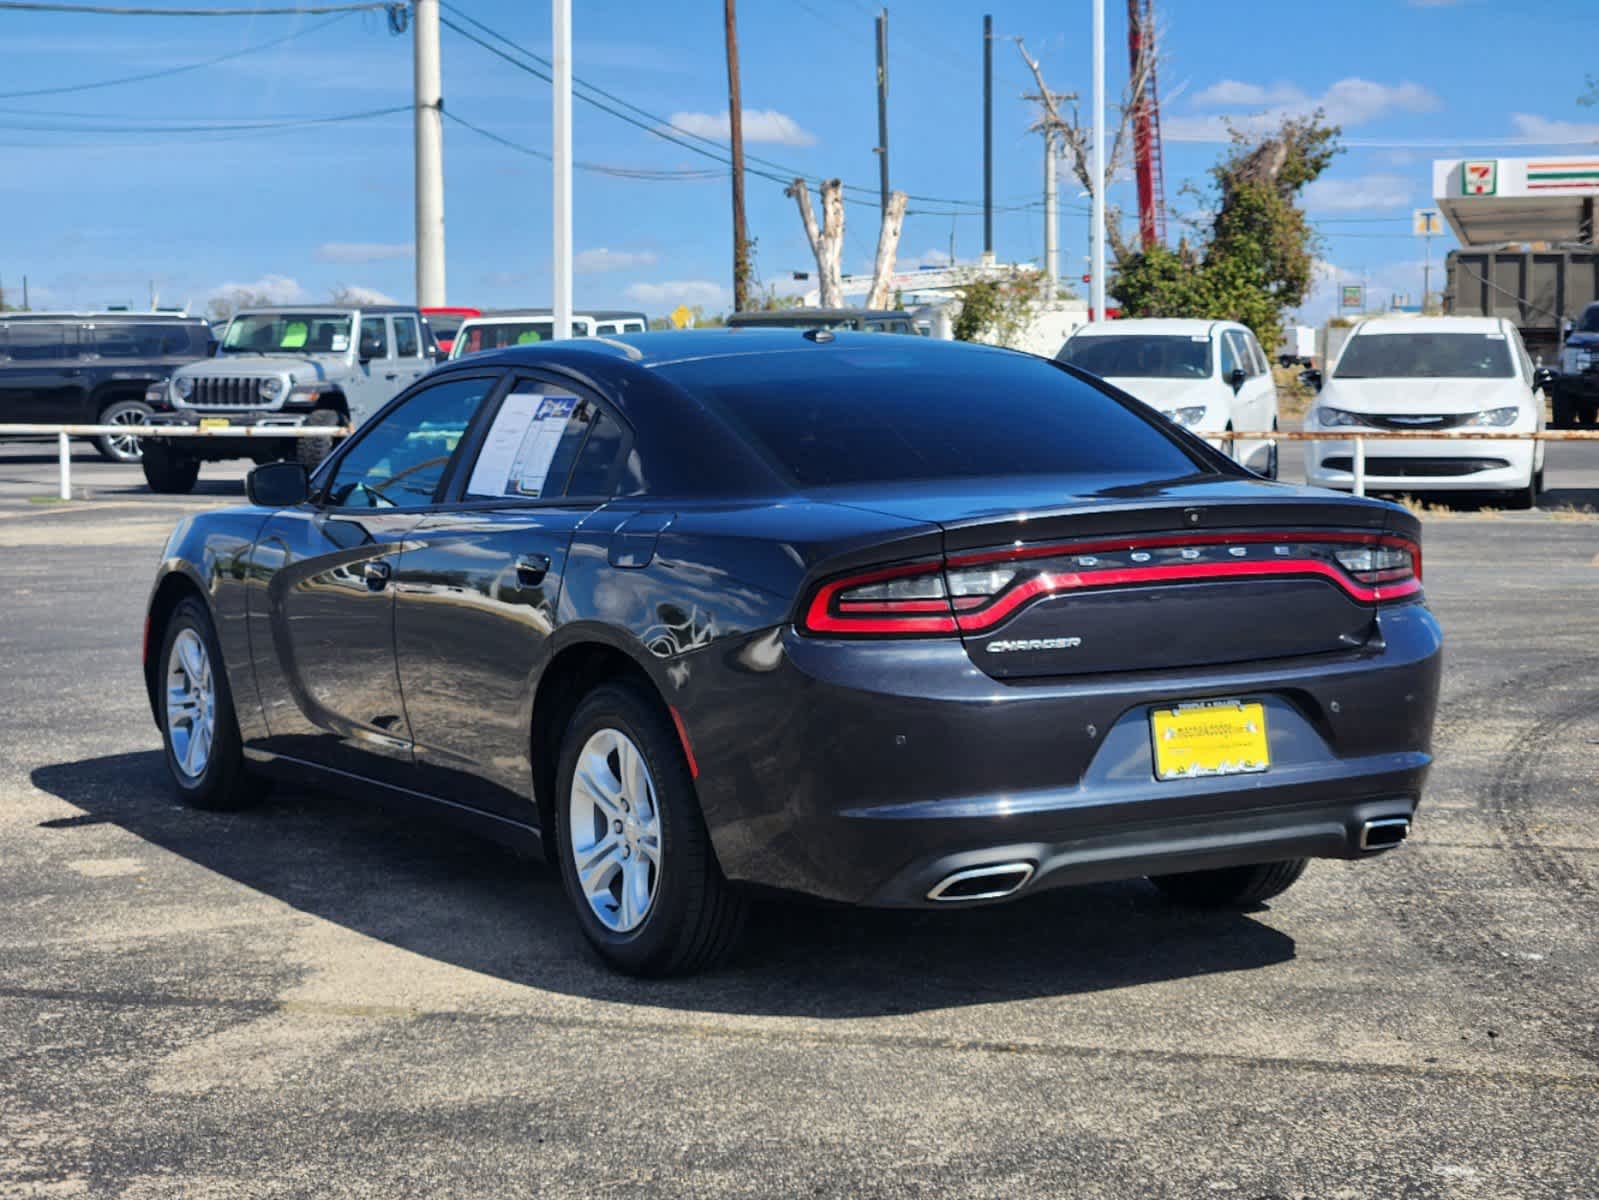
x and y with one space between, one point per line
497 335
444 325
1426 356
1140 356
836 415
287 333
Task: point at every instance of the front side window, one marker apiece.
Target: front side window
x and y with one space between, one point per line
542 445
1590 320
1426 356
374 337
1233 355
287 333
407 344
401 458
36 341
1140 356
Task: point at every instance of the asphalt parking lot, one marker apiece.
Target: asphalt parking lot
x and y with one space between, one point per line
316 998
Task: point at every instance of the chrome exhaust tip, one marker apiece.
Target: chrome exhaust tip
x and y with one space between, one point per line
982 883
1384 833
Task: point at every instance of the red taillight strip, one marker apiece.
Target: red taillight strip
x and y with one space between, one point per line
1048 584
819 617
1155 541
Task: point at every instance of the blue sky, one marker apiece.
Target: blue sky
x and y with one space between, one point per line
104 191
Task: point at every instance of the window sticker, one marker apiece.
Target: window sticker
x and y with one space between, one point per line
294 335
340 343
520 446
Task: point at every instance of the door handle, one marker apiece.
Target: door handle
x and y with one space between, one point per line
377 575
532 568
392 375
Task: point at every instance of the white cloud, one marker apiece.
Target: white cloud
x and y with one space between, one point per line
269 289
362 252
1549 133
663 296
1361 192
1253 107
356 294
592 262
760 125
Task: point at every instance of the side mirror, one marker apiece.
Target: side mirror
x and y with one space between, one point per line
1311 378
1544 378
370 348
278 485
1237 378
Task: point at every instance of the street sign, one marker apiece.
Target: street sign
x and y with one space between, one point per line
682 316
1479 178
1352 295
1425 222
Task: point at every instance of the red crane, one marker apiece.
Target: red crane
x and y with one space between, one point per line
1146 124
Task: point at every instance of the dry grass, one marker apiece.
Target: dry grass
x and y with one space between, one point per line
1293 398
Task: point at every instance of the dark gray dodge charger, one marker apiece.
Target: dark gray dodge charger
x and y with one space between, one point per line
885 621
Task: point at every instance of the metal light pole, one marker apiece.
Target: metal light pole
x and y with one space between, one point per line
1097 266
429 157
561 152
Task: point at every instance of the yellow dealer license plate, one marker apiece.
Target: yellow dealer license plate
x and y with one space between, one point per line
1212 737
214 422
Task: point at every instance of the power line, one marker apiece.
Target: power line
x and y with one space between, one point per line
170 71
599 168
225 126
112 10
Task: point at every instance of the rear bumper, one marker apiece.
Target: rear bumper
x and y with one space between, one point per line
1421 465
868 772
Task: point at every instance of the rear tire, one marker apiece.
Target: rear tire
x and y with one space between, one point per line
1231 887
122 412
199 728
167 471
684 916
310 451
1561 415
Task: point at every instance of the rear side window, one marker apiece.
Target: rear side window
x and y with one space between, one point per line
37 341
406 342
837 415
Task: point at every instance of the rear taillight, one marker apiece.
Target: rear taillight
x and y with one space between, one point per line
972 593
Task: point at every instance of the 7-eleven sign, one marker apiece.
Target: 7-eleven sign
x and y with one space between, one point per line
1479 178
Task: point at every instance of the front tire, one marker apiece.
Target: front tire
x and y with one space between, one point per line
635 855
310 451
1522 498
122 449
167 471
1231 887
199 729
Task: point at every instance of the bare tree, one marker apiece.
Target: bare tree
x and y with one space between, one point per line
887 248
1077 137
827 243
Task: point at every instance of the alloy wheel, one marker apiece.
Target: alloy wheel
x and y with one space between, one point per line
125 446
615 830
191 704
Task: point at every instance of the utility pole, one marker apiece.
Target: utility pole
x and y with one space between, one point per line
1051 263
882 107
735 130
1096 268
561 147
988 140
429 156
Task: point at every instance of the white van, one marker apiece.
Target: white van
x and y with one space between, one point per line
1207 376
528 326
1431 373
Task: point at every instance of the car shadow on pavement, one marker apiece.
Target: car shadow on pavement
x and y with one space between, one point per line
454 898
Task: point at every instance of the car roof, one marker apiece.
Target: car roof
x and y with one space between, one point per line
1168 326
536 314
787 316
337 309
1377 325
116 315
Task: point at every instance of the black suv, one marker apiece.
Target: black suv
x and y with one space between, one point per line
92 368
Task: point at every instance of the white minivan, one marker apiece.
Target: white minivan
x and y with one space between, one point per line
1207 376
496 330
1470 374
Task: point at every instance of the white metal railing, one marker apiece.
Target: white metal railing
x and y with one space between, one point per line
65 433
